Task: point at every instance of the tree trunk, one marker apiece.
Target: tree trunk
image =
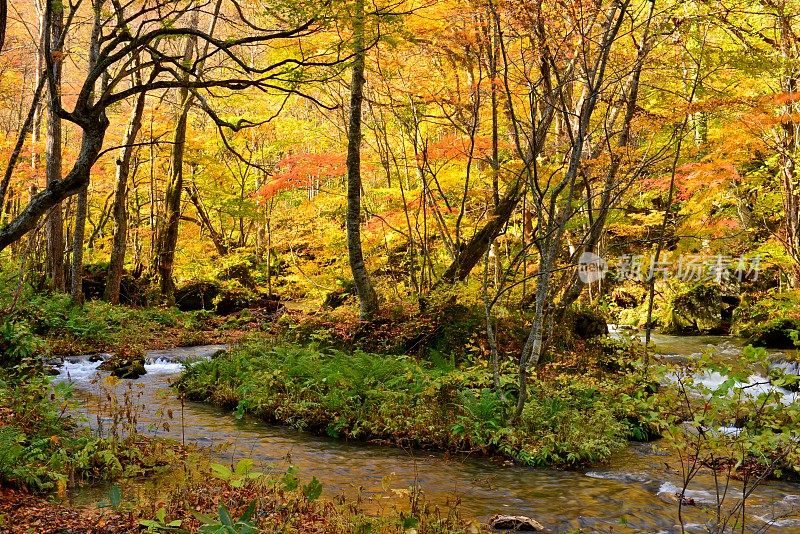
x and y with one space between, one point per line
608 197
471 253
557 203
82 204
788 141
78 235
93 133
205 220
168 236
367 296
12 161
55 221
36 126
3 22
118 248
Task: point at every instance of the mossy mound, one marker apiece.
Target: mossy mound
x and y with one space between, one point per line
698 310
776 334
196 296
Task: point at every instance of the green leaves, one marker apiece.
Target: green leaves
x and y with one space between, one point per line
239 476
160 523
312 490
290 480
225 524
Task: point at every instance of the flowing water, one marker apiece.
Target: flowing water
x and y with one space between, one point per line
634 493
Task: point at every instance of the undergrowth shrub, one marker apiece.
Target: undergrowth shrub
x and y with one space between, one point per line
403 401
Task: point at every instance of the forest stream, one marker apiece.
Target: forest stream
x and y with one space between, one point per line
636 491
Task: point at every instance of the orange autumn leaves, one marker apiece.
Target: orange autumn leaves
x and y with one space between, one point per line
300 170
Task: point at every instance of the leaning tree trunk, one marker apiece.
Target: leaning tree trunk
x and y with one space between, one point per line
205 220
367 296
94 128
55 221
118 248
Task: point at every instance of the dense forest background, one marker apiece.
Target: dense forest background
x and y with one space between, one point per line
169 140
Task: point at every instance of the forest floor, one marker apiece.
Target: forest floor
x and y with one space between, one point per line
23 512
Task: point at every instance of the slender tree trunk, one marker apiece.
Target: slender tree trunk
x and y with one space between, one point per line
367 296
205 220
269 252
119 247
36 126
495 52
82 204
55 221
168 236
598 224
788 141
560 211
78 237
490 335
12 161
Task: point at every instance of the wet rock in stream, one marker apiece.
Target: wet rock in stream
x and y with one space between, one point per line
515 523
129 366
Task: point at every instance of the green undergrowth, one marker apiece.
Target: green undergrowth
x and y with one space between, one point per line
43 450
569 420
62 327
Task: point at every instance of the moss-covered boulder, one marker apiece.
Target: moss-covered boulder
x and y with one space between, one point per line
196 296
123 365
767 319
346 290
235 300
240 273
698 310
132 291
587 324
776 334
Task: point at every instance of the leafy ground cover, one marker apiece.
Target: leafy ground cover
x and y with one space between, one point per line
403 401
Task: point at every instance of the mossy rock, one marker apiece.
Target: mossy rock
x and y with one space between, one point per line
698 310
197 296
340 295
587 324
775 334
132 289
758 310
236 300
125 366
240 273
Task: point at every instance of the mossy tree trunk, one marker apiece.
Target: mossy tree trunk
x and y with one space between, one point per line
368 298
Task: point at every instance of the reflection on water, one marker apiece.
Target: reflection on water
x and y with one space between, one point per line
635 493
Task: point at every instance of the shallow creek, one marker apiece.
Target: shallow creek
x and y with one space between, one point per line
634 493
